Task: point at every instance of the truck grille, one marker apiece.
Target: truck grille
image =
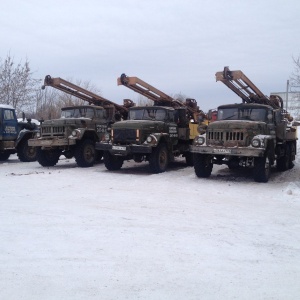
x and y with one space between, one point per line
124 136
53 130
226 137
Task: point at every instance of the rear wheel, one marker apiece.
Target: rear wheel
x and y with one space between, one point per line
25 152
48 158
262 169
112 162
203 165
4 156
85 154
159 159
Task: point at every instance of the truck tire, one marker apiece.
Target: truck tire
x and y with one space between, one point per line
283 162
4 156
203 165
25 152
48 158
159 159
112 162
85 153
262 169
292 155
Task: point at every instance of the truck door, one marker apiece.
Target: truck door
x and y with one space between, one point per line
9 124
182 124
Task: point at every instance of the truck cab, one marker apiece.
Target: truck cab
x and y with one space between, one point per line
8 123
14 135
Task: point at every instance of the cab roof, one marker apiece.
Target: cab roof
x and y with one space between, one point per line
245 105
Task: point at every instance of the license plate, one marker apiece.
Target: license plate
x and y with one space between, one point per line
122 148
223 151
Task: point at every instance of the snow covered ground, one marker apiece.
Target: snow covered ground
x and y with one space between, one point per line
73 233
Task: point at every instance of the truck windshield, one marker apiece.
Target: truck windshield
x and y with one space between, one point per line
235 113
147 114
83 112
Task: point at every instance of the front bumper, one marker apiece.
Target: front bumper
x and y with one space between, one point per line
124 150
54 142
236 151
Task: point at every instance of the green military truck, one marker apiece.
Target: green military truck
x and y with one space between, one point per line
14 135
156 134
75 133
256 133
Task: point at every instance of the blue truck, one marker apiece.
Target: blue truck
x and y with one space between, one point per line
14 135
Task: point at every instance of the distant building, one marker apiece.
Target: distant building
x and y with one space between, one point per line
291 103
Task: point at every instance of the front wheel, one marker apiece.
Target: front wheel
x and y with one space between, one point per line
48 158
85 154
203 165
25 152
262 169
159 159
112 162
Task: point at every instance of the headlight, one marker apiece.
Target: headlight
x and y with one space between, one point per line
255 143
38 134
149 139
76 133
106 137
199 140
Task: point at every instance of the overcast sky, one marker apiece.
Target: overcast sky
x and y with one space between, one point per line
175 45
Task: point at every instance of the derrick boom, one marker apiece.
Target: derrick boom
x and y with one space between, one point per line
240 84
159 97
83 94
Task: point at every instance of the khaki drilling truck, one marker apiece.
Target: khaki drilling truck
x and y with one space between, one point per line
156 134
257 133
79 128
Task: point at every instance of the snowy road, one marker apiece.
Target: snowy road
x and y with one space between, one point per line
72 233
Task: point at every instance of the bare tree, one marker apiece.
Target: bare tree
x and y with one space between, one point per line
47 104
295 87
17 86
143 101
295 78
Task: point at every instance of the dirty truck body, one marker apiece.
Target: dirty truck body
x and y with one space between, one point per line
156 134
73 135
78 129
14 135
256 133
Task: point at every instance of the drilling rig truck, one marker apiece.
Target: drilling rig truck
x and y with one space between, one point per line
79 128
156 134
257 133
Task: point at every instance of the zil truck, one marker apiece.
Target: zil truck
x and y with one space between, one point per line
257 133
75 133
14 135
156 134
